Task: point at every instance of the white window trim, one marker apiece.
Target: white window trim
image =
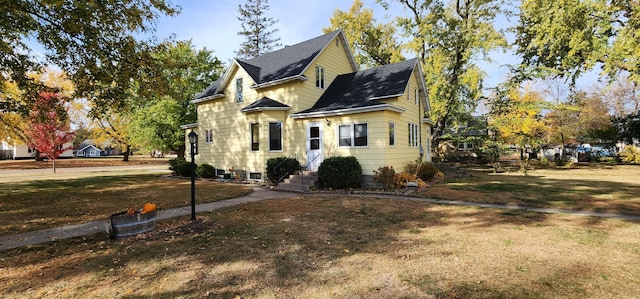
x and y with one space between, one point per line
208 136
353 135
320 72
395 135
413 133
416 92
239 97
281 137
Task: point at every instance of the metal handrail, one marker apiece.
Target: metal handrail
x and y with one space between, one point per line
280 164
307 167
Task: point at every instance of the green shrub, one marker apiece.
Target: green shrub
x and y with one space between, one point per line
386 177
427 171
180 167
205 171
340 173
281 167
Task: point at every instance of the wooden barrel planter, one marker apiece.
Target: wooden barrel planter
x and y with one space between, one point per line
124 224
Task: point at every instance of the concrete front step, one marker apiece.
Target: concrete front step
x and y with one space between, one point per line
299 183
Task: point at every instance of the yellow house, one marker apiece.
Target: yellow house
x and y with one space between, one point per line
309 101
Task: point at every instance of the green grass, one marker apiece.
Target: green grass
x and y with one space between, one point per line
27 206
614 189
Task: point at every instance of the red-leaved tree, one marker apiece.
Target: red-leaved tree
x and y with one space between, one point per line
49 128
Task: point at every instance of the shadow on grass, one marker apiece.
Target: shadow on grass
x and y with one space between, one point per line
45 204
283 245
571 193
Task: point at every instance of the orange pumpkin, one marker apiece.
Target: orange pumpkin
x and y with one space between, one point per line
148 207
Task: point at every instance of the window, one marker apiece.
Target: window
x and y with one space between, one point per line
208 136
392 134
344 132
319 77
413 134
417 95
275 136
353 134
239 98
408 92
255 176
314 138
255 139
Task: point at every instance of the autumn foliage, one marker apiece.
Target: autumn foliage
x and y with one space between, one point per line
49 128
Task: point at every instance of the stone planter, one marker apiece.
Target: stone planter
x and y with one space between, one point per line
124 224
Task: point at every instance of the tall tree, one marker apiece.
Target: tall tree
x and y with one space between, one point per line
161 95
92 40
256 28
372 43
450 38
516 117
49 127
572 36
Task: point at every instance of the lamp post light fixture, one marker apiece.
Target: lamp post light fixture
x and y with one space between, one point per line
193 140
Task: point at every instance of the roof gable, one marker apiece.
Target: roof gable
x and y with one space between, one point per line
281 65
363 88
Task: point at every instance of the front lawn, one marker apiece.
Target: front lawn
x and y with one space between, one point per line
341 247
31 205
599 188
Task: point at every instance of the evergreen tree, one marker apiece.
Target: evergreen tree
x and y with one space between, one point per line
256 29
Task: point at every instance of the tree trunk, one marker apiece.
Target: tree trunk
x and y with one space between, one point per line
126 154
54 165
181 151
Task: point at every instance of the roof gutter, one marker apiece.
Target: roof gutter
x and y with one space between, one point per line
338 112
258 109
189 126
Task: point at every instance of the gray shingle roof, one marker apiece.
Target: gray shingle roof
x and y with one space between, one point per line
287 62
211 90
264 104
361 89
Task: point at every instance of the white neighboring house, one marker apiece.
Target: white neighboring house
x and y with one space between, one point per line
12 150
88 150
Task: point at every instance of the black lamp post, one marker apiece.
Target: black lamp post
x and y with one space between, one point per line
193 140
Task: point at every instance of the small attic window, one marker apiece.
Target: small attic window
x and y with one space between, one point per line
337 42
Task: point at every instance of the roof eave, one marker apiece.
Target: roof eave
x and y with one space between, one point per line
279 81
385 97
189 126
339 112
260 109
209 98
428 121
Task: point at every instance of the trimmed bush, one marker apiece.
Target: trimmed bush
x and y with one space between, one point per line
340 173
386 177
281 167
205 171
427 171
180 167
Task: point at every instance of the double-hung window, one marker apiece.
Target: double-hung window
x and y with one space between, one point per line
413 134
275 136
255 136
319 77
239 97
355 135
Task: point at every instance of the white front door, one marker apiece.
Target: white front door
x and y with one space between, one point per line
315 145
